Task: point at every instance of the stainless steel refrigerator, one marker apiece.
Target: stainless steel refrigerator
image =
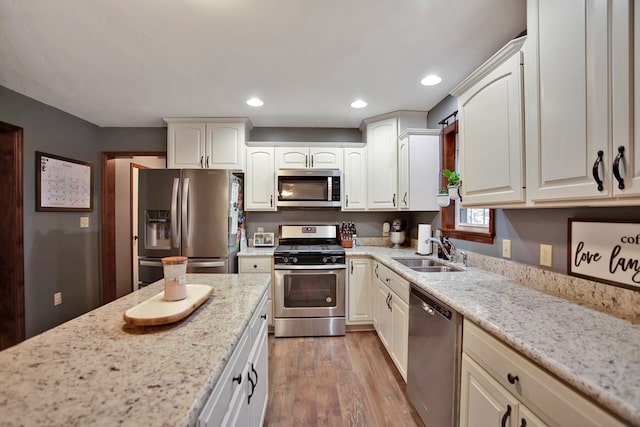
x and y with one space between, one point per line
192 213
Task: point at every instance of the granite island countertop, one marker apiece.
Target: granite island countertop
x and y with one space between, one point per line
598 354
97 370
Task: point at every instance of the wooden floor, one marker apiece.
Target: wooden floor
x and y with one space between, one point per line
335 381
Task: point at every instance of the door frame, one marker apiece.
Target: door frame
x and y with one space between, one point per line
13 231
108 213
134 170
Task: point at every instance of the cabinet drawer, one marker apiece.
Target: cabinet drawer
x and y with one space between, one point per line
396 283
218 403
258 321
552 400
254 264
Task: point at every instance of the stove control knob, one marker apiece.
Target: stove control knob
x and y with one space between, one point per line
328 300
333 259
286 260
294 260
325 259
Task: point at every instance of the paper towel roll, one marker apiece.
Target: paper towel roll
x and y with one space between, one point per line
424 232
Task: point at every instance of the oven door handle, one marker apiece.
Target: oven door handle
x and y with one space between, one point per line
311 267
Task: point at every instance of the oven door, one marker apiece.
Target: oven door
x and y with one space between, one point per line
314 291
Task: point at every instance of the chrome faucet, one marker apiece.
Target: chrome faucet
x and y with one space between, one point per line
444 250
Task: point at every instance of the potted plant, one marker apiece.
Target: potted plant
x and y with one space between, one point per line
443 198
453 183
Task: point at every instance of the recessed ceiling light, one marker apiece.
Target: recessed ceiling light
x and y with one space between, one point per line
358 103
431 80
255 102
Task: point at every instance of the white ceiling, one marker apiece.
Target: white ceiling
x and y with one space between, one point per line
132 62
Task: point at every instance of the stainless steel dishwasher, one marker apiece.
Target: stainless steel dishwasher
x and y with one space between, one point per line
433 370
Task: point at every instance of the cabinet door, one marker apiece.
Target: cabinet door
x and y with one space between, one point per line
225 144
259 371
260 180
185 145
403 173
526 418
292 158
325 158
491 137
382 153
567 99
381 313
484 402
399 333
354 179
360 291
631 142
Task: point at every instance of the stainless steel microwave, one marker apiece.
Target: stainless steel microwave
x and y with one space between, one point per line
309 188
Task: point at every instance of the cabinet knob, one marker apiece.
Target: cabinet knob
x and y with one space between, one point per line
238 379
512 378
255 266
263 317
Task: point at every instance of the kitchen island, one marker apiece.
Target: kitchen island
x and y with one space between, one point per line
98 370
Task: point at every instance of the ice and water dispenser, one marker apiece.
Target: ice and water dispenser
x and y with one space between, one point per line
157 233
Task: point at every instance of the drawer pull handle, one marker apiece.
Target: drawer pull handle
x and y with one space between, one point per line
512 378
616 167
523 423
505 417
238 379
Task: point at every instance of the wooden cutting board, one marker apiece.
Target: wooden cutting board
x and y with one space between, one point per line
156 311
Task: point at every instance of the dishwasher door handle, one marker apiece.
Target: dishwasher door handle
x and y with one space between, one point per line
428 309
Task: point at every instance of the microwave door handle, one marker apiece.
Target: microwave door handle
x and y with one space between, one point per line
185 214
175 238
329 188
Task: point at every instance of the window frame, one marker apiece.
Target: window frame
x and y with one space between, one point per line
448 213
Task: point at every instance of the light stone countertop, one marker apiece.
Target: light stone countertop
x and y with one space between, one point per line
257 251
97 370
597 353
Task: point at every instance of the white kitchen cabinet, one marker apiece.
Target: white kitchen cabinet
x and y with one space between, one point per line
419 169
498 383
360 292
308 158
260 180
259 265
240 396
354 179
491 130
391 314
578 86
206 143
382 182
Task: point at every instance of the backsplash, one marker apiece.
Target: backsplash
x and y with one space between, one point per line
619 302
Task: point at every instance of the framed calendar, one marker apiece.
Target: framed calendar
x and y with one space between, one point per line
63 184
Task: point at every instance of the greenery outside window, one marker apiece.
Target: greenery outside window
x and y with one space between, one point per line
473 224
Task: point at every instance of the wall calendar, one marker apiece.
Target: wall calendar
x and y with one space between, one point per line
63 184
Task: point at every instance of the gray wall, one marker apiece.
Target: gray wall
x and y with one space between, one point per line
133 139
59 255
528 228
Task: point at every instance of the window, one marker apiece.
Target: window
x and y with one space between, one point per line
474 224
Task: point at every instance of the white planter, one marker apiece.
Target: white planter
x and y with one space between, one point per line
454 193
443 200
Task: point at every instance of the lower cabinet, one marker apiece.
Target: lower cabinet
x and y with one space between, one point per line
264 265
391 314
359 291
240 396
500 387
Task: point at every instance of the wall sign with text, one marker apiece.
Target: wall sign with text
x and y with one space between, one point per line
606 251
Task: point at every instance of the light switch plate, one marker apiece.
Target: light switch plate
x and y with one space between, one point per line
84 222
506 248
57 298
546 255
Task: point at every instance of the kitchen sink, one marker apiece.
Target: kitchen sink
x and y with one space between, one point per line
425 265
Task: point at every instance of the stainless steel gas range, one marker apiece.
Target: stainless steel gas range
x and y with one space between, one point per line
309 286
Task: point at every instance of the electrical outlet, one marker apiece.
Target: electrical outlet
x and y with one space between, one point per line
546 255
84 222
506 248
57 298
260 229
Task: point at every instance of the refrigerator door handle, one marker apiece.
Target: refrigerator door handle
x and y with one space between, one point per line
185 213
206 264
145 263
175 238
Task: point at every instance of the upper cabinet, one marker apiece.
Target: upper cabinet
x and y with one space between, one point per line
260 180
206 143
579 106
491 130
418 169
382 152
354 179
308 157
